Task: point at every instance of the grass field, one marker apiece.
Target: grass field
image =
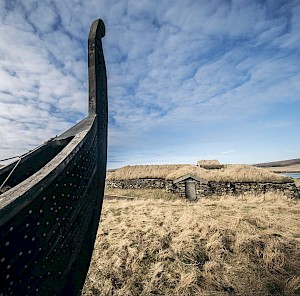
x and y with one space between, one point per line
224 246
285 169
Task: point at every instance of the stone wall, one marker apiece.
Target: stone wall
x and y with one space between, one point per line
136 184
209 189
235 188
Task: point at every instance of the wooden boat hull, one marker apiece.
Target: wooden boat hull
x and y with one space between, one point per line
49 221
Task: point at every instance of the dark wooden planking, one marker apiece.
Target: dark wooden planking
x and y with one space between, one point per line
49 221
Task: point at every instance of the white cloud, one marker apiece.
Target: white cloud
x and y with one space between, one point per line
170 64
43 17
228 152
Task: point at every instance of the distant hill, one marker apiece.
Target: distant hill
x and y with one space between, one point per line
281 163
283 166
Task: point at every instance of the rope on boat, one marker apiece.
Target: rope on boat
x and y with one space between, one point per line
11 172
19 160
27 153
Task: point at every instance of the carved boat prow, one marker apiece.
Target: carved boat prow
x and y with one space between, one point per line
50 215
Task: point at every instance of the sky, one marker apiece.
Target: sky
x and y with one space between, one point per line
187 79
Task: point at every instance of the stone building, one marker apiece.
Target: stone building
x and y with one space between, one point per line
196 182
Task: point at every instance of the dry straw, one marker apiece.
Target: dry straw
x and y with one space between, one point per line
223 246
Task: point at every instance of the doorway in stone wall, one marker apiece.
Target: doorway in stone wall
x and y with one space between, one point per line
190 190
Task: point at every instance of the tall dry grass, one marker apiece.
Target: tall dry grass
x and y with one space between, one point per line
224 246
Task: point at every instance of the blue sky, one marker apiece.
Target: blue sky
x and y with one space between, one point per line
187 80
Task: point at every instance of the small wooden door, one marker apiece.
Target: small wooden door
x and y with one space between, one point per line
190 190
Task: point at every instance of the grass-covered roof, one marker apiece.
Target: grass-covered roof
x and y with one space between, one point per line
229 173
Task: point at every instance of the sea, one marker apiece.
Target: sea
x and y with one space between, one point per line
292 175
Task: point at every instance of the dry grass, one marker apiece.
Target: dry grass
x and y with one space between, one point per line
143 171
230 172
209 164
225 246
285 169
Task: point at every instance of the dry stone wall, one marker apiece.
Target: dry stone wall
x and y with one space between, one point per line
235 188
209 189
136 184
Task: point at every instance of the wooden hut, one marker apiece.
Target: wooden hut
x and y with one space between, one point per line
209 164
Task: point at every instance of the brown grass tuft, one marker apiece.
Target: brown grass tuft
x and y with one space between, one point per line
220 246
